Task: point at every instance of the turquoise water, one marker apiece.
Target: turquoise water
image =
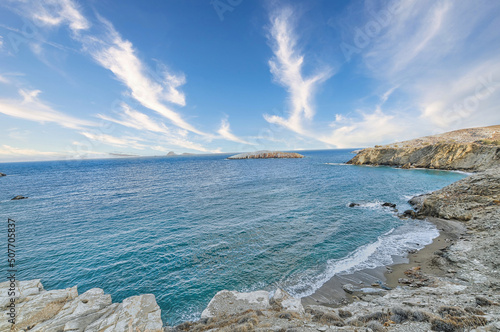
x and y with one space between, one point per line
184 228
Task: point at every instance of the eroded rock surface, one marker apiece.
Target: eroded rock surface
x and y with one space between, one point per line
65 310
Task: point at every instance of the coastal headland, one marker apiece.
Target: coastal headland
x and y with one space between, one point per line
452 284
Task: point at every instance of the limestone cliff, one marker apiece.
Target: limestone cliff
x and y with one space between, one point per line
457 156
474 149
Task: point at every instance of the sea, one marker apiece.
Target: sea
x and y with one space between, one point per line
185 227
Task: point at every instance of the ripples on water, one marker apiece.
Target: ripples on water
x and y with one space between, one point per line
183 228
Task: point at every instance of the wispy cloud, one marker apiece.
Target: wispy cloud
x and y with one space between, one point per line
430 49
30 107
10 153
121 142
135 119
175 137
55 13
287 69
225 132
151 90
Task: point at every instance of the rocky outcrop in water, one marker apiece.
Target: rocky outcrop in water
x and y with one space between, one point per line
266 155
18 197
64 310
2 174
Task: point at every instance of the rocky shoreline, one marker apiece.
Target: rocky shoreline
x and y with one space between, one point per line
451 285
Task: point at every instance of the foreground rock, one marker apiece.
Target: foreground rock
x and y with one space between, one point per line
65 310
266 155
2 174
474 149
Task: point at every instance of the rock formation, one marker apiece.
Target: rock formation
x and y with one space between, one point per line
266 155
472 149
2 174
64 310
18 197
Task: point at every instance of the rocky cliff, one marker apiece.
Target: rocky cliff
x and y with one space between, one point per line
266 155
473 149
457 156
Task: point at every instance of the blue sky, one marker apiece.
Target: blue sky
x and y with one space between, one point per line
88 79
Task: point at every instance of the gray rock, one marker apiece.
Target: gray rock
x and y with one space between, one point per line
42 307
232 302
287 302
78 313
348 288
134 313
22 290
18 197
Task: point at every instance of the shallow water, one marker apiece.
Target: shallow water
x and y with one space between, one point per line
184 228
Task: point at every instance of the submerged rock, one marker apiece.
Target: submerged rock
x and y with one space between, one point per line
18 197
266 155
353 204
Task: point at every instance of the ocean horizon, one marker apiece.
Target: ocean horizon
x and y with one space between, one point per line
185 227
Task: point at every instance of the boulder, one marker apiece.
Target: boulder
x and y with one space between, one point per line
18 197
410 214
42 307
75 315
391 205
23 289
353 204
348 288
231 302
2 174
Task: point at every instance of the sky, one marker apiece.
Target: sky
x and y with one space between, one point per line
97 79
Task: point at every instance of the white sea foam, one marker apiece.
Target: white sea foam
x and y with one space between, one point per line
413 235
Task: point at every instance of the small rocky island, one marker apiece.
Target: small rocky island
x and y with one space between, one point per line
266 155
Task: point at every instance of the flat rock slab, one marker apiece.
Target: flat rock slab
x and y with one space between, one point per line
232 302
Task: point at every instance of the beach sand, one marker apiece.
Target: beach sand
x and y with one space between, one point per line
332 294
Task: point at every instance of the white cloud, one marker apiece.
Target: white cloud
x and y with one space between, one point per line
286 67
119 56
225 132
33 109
10 153
137 120
121 142
440 53
140 121
374 127
57 12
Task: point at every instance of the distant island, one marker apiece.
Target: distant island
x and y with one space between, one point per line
173 154
266 155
